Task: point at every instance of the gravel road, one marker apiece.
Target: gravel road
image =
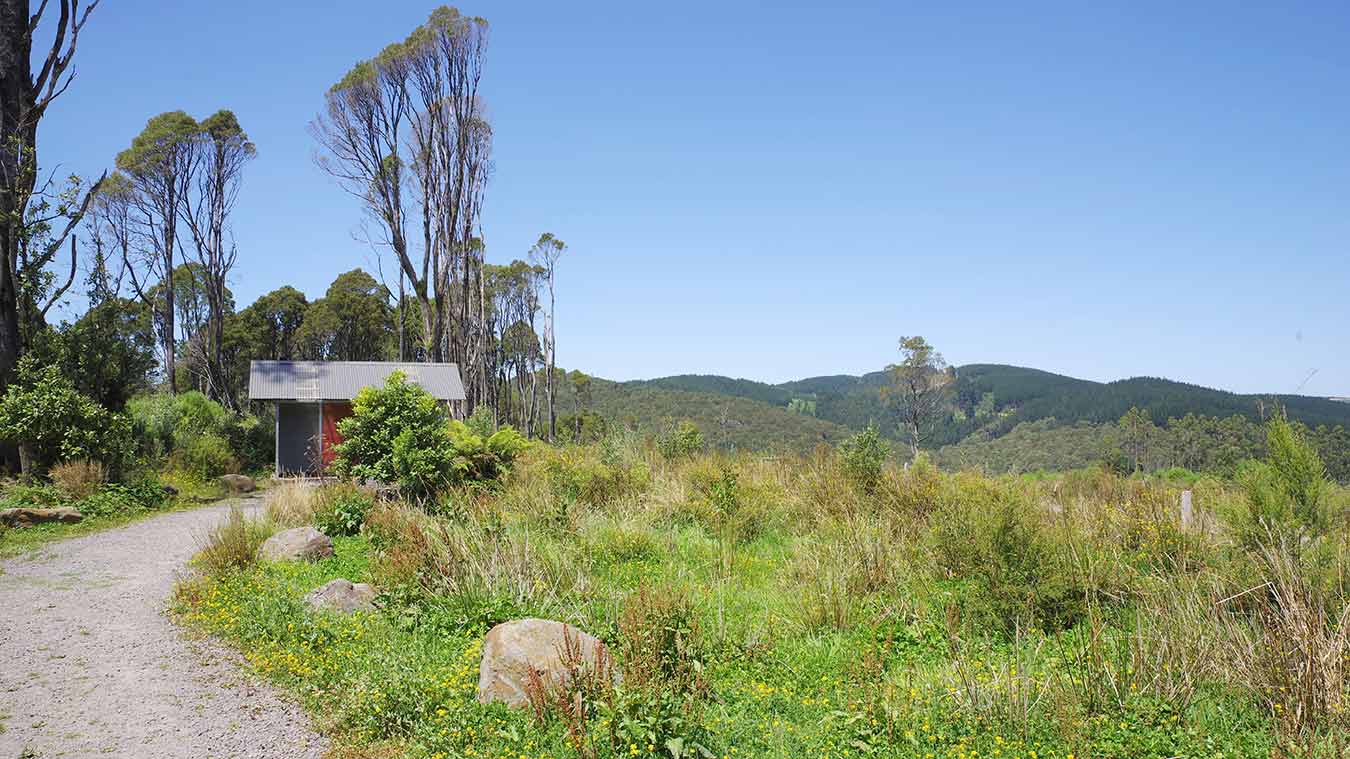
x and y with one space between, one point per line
91 666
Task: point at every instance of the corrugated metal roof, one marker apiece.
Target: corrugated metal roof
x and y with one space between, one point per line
342 380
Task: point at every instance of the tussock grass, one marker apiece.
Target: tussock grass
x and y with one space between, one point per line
292 503
232 545
78 479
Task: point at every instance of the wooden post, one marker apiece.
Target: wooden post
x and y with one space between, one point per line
1187 512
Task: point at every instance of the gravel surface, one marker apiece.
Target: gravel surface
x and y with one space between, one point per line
91 666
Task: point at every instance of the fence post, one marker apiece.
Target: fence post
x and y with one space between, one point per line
1187 512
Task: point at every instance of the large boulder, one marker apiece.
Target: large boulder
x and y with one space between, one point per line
238 483
300 543
23 517
512 649
341 596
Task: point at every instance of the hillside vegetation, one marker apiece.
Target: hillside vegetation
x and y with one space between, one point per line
825 606
1017 395
728 421
997 418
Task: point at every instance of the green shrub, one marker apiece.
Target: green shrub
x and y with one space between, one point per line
153 423
396 434
32 495
206 455
1023 576
680 440
481 421
50 421
864 456
114 498
252 441
195 414
1286 492
341 510
399 434
479 459
622 449
174 426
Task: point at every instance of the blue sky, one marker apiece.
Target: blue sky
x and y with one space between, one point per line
776 190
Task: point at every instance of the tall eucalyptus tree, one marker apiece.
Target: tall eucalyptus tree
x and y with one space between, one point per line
406 132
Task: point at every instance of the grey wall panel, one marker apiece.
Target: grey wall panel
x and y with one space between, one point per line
298 434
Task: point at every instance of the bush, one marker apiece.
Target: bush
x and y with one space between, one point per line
153 422
481 421
1022 575
1285 493
207 455
174 426
864 456
679 440
341 509
115 498
195 414
479 459
78 479
252 441
396 434
28 495
50 421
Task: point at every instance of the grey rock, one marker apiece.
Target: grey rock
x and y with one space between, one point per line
238 483
512 649
341 596
299 543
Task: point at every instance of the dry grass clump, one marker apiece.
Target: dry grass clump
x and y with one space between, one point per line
292 503
232 545
77 480
1292 652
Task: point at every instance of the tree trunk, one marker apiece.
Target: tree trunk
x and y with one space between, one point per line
16 46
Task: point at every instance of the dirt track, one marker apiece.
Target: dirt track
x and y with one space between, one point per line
91 666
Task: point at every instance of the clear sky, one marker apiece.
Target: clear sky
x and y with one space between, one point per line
773 191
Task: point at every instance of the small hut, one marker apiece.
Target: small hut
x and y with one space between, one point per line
311 397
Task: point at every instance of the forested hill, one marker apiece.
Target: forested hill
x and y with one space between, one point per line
728 420
990 399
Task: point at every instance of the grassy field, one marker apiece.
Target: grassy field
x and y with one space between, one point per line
818 607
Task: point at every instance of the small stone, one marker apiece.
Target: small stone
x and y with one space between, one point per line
238 483
512 649
24 517
341 596
304 543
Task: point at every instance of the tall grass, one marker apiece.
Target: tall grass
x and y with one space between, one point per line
232 545
1063 609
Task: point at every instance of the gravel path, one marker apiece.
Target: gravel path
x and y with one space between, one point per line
91 666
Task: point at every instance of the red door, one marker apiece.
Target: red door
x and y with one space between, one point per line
332 414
